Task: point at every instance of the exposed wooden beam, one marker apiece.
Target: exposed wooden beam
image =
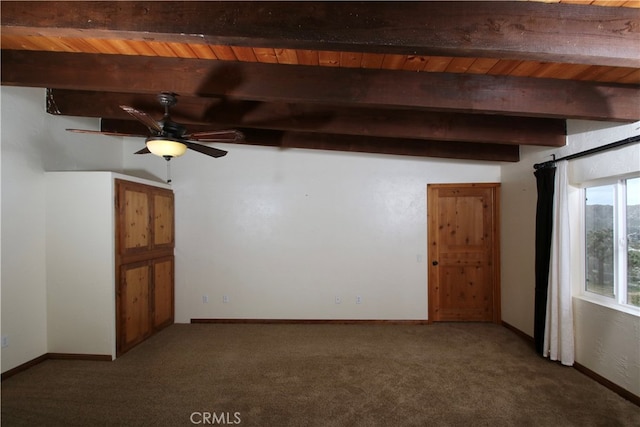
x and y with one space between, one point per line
324 85
395 146
352 143
411 124
517 30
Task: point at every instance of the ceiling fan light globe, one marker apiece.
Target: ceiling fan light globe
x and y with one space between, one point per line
165 147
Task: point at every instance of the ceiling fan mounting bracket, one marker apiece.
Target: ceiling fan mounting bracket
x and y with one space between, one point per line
167 99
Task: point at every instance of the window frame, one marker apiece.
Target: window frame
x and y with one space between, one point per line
618 302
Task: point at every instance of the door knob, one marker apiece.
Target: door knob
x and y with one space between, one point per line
435 263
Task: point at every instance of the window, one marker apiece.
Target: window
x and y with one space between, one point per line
612 241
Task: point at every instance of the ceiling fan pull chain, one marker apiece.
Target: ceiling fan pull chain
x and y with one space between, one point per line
167 158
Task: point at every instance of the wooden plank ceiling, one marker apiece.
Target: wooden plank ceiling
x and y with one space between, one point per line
467 80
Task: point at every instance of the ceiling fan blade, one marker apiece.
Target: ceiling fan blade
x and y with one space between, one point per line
228 135
99 132
143 117
145 150
209 151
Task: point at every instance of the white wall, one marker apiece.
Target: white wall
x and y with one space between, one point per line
609 346
518 191
23 250
80 263
33 141
283 232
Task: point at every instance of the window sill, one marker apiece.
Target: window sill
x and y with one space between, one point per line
610 304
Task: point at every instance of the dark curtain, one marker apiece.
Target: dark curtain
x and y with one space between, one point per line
544 224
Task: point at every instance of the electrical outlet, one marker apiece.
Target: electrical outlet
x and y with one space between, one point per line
338 300
358 299
225 299
205 299
5 341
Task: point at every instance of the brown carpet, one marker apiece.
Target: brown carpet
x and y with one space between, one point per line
316 375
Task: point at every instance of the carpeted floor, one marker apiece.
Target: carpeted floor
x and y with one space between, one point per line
451 374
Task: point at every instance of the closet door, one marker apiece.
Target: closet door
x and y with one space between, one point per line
145 219
144 262
134 219
162 292
133 307
163 235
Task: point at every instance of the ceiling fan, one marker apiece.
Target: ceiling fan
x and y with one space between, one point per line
169 139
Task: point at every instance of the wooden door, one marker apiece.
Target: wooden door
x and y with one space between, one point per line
463 252
162 292
145 218
144 262
133 305
163 235
134 219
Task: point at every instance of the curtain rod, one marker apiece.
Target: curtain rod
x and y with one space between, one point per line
616 144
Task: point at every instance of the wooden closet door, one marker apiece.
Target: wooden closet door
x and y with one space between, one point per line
163 298
144 262
133 304
134 219
145 219
163 220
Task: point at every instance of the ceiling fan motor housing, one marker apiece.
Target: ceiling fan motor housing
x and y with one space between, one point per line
173 129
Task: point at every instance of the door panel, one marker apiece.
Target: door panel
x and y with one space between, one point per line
133 304
463 297
163 292
463 250
136 220
163 219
